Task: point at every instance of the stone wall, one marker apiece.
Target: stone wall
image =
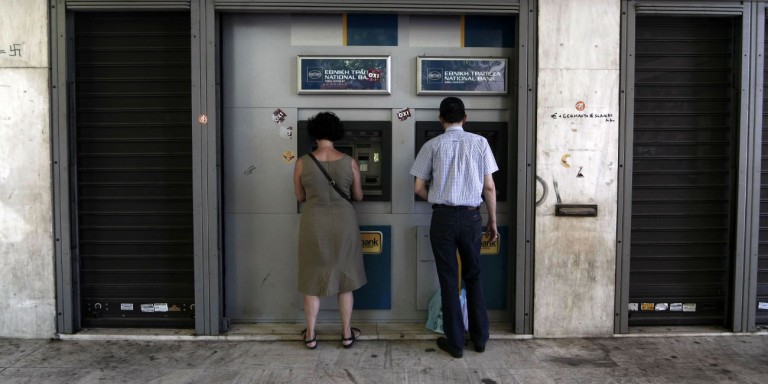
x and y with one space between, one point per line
577 162
27 295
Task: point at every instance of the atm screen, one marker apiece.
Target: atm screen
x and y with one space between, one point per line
368 142
346 149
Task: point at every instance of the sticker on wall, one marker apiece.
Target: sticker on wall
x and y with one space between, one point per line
404 114
564 160
676 307
647 306
762 305
580 105
161 307
126 306
689 307
203 119
286 132
278 116
634 307
288 156
147 307
374 74
661 306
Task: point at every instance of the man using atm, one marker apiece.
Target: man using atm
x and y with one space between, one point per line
458 166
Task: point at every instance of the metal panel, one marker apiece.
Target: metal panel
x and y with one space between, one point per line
684 167
134 176
260 241
734 8
402 6
524 210
760 266
624 206
755 107
206 177
65 302
113 5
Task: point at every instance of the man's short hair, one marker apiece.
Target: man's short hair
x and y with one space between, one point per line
452 109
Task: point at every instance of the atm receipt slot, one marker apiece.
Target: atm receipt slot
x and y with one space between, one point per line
577 210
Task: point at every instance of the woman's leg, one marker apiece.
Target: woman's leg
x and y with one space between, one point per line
346 302
311 308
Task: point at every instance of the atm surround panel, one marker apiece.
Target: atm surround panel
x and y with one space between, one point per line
368 142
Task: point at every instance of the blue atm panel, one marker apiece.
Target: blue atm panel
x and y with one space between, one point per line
377 254
494 273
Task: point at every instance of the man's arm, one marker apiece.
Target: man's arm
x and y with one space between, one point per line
489 193
420 188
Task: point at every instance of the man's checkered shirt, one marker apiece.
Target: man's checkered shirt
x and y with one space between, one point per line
455 163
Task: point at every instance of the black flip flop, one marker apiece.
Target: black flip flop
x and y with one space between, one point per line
351 339
308 342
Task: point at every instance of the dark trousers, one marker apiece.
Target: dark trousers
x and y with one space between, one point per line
452 230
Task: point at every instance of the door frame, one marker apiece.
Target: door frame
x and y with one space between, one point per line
747 183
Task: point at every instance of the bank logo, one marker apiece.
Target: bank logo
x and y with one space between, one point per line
371 241
314 74
489 246
435 75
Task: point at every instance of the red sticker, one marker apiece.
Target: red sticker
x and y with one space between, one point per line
374 74
404 114
203 119
279 116
580 105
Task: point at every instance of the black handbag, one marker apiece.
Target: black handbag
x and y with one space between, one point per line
330 180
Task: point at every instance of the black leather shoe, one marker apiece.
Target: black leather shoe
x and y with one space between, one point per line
479 348
442 343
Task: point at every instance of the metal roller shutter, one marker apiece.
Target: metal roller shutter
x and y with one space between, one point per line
133 144
683 170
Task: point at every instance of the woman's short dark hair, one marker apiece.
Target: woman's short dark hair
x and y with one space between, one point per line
325 126
452 109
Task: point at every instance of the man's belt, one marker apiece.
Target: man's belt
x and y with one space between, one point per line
455 207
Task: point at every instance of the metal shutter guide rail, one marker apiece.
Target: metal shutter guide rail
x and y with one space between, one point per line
127 4
689 9
451 6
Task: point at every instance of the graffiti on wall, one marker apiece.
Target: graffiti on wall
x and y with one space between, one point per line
13 50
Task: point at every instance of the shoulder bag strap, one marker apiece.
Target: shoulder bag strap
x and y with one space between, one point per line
330 180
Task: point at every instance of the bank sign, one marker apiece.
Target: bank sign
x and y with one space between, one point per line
347 74
461 76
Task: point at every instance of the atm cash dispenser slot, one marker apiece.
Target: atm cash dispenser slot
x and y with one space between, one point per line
368 142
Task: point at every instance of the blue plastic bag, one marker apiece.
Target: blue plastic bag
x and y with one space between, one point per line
435 312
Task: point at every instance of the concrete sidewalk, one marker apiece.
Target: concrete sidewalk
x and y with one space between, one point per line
84 358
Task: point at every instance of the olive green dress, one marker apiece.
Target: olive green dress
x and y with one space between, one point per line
330 252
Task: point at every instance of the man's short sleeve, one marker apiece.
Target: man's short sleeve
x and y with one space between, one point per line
489 162
422 166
